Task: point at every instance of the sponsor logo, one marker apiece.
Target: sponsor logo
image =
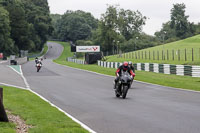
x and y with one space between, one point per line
88 49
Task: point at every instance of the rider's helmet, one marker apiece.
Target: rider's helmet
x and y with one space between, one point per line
125 66
36 58
130 63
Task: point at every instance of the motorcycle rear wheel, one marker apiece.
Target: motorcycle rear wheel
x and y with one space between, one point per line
38 69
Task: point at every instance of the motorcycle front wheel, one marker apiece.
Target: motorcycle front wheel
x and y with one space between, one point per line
38 69
124 91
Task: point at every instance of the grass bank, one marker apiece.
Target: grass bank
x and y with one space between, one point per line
184 82
184 52
36 112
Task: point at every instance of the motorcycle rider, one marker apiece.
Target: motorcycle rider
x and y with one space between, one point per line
39 62
36 60
130 65
121 68
38 65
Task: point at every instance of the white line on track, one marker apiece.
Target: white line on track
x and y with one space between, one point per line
180 89
13 86
25 81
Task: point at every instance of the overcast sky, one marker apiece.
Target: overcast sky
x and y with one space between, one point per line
158 11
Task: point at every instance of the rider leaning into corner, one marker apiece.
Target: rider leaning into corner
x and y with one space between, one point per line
124 67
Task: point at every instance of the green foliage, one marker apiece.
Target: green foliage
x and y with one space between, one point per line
74 25
55 18
130 23
90 20
19 25
179 21
38 16
6 43
84 43
140 42
117 26
178 27
30 25
197 27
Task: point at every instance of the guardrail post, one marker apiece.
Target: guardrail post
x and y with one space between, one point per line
3 116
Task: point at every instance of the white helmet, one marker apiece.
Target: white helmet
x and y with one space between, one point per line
130 63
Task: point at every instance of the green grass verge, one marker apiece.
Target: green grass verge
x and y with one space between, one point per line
185 82
45 49
43 53
41 115
171 52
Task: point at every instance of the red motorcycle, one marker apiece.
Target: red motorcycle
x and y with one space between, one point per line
38 66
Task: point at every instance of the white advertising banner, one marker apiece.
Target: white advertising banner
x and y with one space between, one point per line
87 48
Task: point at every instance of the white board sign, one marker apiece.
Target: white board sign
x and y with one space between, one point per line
87 48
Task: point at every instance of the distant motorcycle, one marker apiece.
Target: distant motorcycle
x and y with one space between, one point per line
38 66
123 85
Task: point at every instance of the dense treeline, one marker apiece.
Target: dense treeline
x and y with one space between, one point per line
116 27
73 25
120 30
24 25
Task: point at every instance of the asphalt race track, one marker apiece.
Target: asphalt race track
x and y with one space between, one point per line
90 98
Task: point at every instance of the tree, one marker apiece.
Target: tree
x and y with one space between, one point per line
108 29
19 25
30 23
89 18
38 16
166 34
179 20
75 25
55 18
119 25
6 43
130 23
178 27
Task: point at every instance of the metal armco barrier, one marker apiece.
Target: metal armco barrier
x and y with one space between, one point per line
182 70
3 116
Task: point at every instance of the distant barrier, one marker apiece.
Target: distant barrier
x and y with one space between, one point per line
70 59
182 70
21 61
3 116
